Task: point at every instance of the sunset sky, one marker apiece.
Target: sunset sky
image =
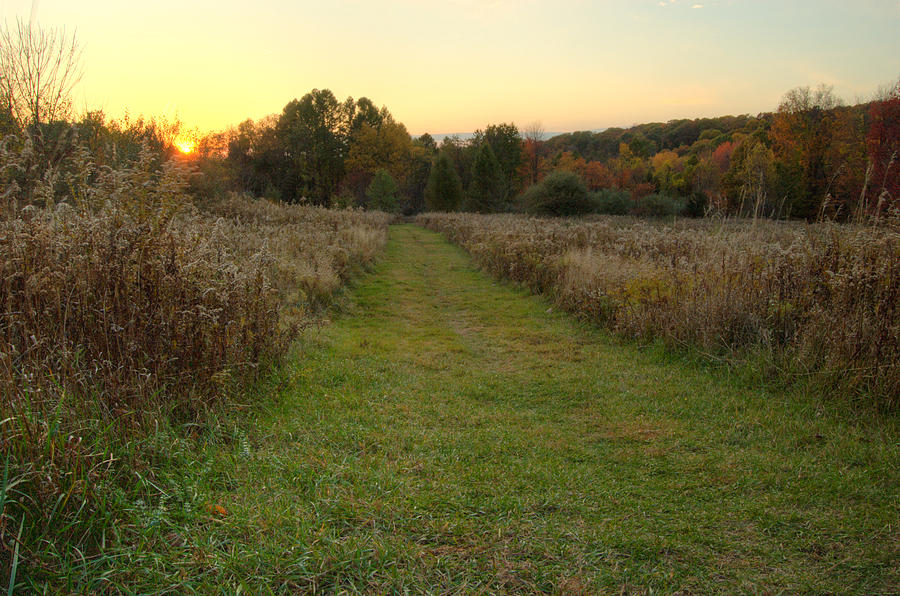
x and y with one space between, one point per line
456 65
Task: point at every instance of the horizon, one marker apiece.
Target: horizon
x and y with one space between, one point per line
572 66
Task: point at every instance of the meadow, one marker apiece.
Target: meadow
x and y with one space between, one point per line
816 303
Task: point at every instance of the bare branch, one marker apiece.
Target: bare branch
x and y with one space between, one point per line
39 68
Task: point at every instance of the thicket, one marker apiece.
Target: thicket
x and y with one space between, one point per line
813 302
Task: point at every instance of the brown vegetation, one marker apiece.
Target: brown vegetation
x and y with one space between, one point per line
817 301
127 307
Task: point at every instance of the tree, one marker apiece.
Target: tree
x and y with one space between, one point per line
385 144
883 143
506 143
367 113
313 133
532 168
802 134
38 70
759 177
384 192
444 190
462 156
421 157
487 192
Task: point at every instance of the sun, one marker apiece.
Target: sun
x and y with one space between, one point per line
185 145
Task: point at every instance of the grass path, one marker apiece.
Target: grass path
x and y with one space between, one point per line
447 433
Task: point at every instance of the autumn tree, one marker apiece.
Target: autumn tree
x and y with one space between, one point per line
444 191
758 175
532 168
883 144
38 70
802 134
380 143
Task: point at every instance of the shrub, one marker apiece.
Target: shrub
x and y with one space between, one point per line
561 193
612 201
658 205
696 205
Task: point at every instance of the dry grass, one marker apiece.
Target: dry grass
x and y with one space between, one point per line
126 308
818 302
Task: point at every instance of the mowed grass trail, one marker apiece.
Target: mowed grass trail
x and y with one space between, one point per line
450 434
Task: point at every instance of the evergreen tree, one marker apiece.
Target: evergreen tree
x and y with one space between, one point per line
383 192
486 192
444 190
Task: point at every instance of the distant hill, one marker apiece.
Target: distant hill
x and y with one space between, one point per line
465 136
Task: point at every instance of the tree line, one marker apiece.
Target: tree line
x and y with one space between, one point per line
812 157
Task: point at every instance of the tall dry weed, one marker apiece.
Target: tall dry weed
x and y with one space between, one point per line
124 307
821 300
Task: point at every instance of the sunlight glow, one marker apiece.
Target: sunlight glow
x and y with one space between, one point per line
184 145
456 66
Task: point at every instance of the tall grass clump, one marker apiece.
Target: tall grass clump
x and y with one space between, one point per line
125 310
819 302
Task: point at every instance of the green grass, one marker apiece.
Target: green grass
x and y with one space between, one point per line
446 433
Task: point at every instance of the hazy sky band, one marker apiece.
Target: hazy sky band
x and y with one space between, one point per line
456 65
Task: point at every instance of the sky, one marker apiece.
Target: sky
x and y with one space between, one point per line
444 66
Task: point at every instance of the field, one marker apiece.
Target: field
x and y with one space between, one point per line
446 434
814 303
230 394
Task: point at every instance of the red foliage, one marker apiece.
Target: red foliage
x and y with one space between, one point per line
596 175
884 151
534 165
722 155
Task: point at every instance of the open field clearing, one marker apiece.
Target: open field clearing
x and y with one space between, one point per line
815 303
447 434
